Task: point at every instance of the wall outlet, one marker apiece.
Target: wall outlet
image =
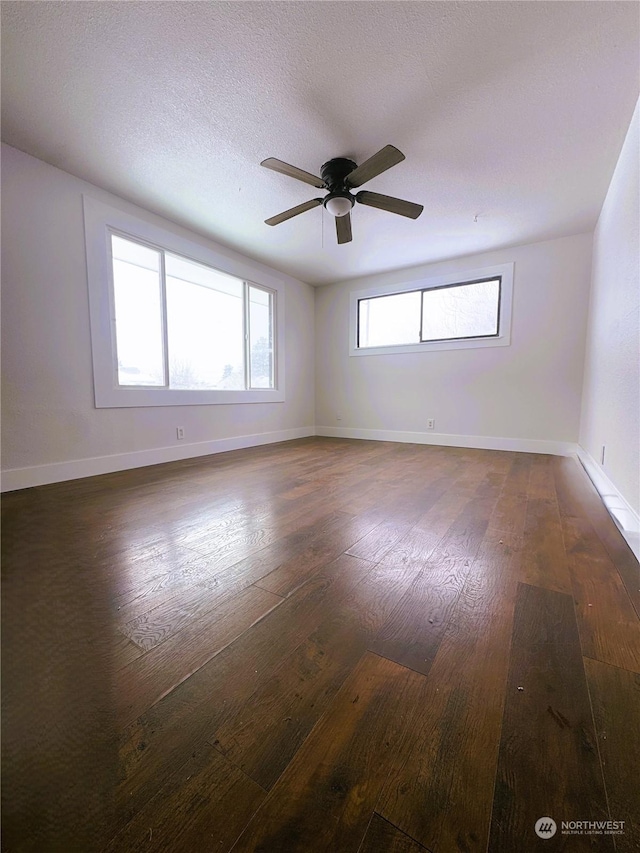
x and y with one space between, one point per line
179 433
602 455
338 417
431 423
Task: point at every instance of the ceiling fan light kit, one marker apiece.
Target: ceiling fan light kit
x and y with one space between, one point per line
339 205
339 177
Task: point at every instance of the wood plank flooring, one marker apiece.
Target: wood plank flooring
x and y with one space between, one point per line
322 645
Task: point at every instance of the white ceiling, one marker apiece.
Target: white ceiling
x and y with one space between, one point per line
511 111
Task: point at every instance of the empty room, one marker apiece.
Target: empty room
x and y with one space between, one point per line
320 427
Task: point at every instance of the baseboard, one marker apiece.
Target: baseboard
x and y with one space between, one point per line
480 442
57 472
624 515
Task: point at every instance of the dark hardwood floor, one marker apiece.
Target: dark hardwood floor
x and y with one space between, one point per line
323 645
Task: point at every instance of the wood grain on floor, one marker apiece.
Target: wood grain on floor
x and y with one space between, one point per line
322 645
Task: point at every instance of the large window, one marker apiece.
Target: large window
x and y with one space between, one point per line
171 328
444 313
181 324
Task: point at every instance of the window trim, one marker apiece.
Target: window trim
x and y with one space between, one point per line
101 220
505 300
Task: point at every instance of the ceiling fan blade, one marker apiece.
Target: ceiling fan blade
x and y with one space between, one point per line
388 202
292 172
380 162
293 211
343 228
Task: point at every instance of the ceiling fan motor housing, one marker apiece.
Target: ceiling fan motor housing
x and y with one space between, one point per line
334 173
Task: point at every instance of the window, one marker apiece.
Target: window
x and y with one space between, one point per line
445 313
204 312
169 326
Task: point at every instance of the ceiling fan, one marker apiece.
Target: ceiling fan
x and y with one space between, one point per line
340 176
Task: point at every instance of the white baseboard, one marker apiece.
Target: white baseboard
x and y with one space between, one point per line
624 515
480 442
57 472
626 518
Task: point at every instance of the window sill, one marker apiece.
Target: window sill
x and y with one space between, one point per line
122 398
434 346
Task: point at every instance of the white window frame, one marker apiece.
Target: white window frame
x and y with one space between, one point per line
101 221
502 339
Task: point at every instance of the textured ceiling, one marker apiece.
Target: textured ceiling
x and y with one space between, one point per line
511 112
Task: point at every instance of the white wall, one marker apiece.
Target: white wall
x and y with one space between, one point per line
47 389
527 393
611 399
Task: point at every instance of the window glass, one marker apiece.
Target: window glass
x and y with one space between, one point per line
205 327
204 312
389 320
461 311
138 313
260 338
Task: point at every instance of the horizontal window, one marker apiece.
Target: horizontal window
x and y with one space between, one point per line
168 327
442 313
219 329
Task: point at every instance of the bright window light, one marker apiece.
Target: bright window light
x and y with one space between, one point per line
388 320
260 338
205 326
460 311
137 296
182 325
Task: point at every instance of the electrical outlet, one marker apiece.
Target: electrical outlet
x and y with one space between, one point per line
602 455
179 433
338 417
431 423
